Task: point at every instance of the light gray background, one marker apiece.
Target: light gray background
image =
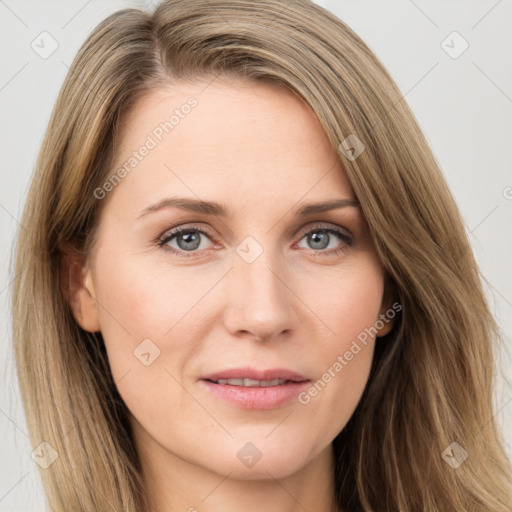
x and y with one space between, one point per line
463 104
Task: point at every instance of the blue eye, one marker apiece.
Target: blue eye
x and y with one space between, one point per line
325 240
190 240
185 239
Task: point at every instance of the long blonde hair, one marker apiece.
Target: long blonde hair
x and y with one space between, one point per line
431 382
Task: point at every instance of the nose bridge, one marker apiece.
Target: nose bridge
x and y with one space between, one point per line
260 283
259 302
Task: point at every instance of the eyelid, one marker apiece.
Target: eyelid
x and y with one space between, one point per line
178 229
342 233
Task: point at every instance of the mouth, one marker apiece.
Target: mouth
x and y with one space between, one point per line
255 389
250 383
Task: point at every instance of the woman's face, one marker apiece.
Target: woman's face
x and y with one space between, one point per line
232 248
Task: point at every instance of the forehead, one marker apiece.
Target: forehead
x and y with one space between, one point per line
209 137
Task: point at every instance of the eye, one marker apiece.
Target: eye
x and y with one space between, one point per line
186 240
325 239
191 240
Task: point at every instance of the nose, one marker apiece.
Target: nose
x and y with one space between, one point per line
260 304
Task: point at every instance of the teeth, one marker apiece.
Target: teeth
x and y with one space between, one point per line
250 383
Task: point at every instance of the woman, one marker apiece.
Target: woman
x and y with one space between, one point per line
249 283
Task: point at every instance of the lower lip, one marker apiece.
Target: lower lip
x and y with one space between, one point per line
270 397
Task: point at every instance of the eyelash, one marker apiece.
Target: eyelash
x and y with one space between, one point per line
169 235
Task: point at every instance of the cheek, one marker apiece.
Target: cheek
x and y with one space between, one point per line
148 318
346 300
348 303
139 302
149 313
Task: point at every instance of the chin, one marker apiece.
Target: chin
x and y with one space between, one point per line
261 457
274 466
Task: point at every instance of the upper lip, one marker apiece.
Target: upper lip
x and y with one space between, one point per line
256 374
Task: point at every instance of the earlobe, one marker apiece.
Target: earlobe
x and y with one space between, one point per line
385 322
78 288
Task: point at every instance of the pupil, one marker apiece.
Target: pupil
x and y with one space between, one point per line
189 241
319 239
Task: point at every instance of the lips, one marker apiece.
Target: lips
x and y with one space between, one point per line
249 388
250 375
251 383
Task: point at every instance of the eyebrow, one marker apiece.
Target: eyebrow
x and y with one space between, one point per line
218 209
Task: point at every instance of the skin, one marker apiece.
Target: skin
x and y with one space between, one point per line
259 151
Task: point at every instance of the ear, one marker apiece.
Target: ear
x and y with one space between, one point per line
388 309
78 288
